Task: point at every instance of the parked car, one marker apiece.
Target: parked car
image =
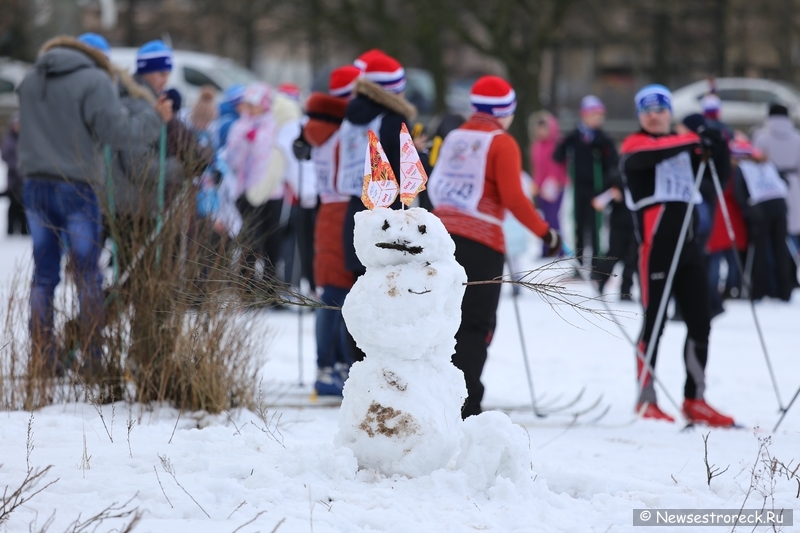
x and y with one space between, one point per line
745 101
192 70
11 73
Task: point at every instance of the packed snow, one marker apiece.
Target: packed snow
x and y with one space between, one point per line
241 472
402 404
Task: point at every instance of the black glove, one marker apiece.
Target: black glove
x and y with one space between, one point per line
553 240
710 137
301 148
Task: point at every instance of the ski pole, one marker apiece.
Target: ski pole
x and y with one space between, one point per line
162 156
796 394
524 349
639 356
745 279
662 305
299 262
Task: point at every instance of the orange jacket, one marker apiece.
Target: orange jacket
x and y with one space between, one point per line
502 191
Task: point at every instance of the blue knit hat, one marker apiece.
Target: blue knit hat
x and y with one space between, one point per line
96 41
233 95
653 96
154 56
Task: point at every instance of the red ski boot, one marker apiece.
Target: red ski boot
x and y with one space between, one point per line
651 410
699 412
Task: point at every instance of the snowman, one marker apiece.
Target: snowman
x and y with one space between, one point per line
401 412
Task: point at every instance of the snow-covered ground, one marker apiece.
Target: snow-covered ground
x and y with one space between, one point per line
228 472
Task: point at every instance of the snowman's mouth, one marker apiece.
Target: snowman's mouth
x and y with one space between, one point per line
400 247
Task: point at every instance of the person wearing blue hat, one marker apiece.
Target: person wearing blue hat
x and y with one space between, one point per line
154 64
69 109
228 113
659 169
96 41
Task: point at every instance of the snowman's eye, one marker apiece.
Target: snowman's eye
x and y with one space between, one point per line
385 225
422 229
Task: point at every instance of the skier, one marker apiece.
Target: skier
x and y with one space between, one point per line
622 244
378 105
761 194
658 169
590 156
780 142
321 131
476 179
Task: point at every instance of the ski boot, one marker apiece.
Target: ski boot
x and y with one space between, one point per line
699 412
652 411
329 382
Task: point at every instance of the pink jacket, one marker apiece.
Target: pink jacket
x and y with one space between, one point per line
542 157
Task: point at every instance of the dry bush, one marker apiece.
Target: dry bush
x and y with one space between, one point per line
174 330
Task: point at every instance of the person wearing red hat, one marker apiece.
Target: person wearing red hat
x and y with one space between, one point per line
362 60
290 90
319 141
378 105
475 181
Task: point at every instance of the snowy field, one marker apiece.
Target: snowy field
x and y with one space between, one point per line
229 476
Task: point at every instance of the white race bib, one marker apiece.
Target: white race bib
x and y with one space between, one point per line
324 158
458 178
675 181
763 181
353 142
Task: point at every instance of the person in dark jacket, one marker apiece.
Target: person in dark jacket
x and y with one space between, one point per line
659 171
379 105
622 245
761 194
69 107
16 210
590 157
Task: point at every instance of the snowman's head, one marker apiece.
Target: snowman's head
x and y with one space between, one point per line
385 237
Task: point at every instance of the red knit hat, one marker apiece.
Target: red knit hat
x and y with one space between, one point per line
493 95
342 81
386 71
289 89
362 60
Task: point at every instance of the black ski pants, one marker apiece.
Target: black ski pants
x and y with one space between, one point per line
478 316
690 289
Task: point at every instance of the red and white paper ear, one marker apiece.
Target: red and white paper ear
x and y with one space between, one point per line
412 173
380 184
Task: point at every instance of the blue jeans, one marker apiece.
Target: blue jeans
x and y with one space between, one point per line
64 217
332 346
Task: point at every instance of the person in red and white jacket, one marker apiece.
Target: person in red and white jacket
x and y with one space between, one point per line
320 134
475 181
658 170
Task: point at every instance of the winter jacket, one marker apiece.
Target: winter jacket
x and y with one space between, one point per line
9 153
544 166
780 141
136 167
641 153
589 164
719 240
69 108
502 190
325 115
370 101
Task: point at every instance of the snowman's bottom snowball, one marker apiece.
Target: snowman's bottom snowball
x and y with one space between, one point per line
402 417
493 446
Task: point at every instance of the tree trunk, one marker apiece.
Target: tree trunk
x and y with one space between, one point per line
720 14
524 77
131 38
661 23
